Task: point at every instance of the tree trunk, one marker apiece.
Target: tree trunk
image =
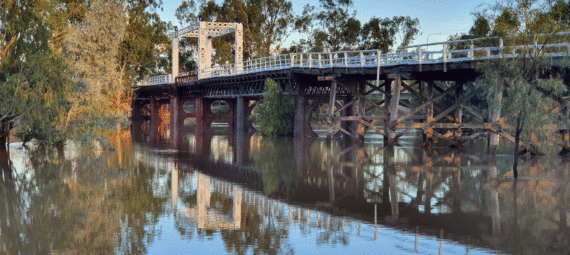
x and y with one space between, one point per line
3 141
59 145
518 131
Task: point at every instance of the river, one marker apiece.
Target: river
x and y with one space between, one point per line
247 194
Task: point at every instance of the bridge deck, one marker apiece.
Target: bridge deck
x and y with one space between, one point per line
441 56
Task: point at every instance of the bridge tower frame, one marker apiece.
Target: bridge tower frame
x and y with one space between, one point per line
205 31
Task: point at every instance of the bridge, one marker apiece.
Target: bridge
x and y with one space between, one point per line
363 90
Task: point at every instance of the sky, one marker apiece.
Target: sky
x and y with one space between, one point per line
438 18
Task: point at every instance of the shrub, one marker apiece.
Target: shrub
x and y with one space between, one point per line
275 115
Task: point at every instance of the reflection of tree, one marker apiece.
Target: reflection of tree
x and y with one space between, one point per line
264 236
332 234
85 205
534 210
274 159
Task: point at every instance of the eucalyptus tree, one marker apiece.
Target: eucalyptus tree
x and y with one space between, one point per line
34 79
384 33
532 83
332 25
92 47
144 42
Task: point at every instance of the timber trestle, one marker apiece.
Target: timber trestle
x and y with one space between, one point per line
426 87
391 106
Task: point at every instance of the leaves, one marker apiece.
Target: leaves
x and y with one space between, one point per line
93 46
383 33
532 82
333 25
274 114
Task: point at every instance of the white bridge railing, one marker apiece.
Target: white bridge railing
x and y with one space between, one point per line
432 53
157 80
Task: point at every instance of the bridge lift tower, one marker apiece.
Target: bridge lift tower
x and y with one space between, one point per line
205 31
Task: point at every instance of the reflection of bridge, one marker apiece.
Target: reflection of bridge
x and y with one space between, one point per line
441 188
341 79
206 216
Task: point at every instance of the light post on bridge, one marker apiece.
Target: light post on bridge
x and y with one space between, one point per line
427 40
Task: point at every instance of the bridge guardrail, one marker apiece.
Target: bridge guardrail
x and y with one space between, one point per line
157 80
445 52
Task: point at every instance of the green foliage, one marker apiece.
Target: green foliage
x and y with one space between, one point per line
34 79
334 25
38 96
275 113
532 83
47 102
138 55
383 33
92 47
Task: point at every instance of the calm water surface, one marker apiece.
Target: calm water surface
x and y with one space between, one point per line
224 193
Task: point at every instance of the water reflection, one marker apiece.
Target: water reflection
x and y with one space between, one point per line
445 193
224 193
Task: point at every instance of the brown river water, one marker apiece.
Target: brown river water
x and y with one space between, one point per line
228 194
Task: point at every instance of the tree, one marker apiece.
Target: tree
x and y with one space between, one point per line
336 27
140 51
275 113
531 82
34 78
333 25
92 47
383 33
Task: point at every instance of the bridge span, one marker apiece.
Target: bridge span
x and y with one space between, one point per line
363 89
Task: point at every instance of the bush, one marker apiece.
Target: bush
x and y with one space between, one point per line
275 115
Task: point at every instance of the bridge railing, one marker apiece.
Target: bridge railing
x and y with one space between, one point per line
432 53
340 59
157 80
483 48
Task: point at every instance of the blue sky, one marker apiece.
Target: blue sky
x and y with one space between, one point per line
438 18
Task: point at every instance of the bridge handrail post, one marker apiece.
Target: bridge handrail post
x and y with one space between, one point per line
310 60
501 47
536 51
361 59
330 59
379 60
379 57
445 57
301 60
472 51
346 59
420 56
291 58
320 63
